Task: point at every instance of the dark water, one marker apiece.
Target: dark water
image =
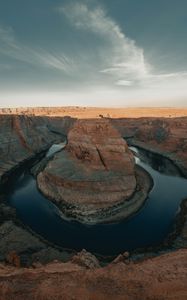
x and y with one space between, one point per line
147 228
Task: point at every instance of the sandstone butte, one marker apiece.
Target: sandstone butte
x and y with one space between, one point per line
94 179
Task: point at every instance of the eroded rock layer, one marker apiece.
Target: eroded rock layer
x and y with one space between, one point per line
22 137
161 278
167 136
94 176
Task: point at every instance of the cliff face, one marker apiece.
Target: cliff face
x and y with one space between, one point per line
95 172
167 136
98 145
165 133
21 137
161 278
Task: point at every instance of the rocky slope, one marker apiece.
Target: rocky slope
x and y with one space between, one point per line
20 247
161 135
94 176
159 278
22 137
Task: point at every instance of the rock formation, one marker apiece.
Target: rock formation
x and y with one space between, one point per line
16 242
85 259
94 176
167 136
22 137
159 278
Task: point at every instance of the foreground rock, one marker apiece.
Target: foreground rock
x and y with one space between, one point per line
17 244
95 176
161 278
85 259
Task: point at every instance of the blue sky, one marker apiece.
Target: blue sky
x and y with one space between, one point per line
91 52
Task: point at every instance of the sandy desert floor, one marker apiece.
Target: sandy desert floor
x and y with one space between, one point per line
97 112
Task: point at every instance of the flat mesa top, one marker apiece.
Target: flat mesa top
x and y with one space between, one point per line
99 112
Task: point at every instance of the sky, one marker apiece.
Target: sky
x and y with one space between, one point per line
116 53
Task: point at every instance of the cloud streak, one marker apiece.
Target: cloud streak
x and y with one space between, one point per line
122 57
9 46
124 62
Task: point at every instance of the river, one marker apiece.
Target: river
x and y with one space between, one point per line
153 222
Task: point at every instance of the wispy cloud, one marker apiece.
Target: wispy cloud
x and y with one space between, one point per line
103 64
122 57
9 46
124 82
123 60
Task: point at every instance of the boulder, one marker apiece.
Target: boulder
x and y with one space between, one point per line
85 259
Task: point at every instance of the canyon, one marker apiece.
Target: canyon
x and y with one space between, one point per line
26 135
95 174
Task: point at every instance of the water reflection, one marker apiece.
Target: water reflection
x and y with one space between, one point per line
147 228
157 162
